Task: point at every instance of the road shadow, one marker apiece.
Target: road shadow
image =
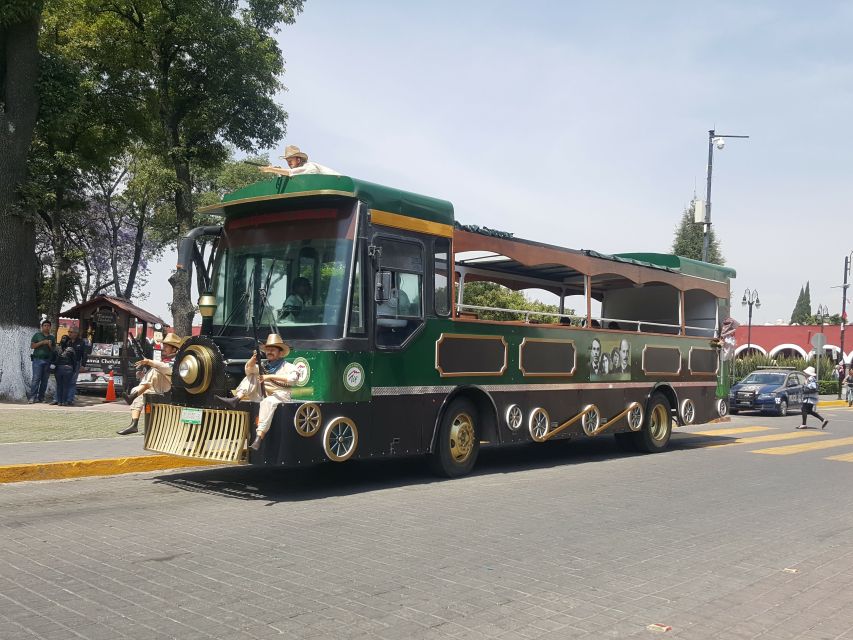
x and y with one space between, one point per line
326 480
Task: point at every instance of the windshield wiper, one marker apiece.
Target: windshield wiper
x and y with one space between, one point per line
240 303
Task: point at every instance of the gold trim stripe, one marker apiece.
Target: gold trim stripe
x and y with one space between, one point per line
220 207
388 219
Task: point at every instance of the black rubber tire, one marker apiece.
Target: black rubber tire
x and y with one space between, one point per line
658 409
442 460
625 442
783 408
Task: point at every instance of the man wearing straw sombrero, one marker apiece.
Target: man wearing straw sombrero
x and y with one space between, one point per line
278 376
298 164
158 379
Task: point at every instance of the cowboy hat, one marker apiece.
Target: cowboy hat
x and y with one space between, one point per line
292 151
809 371
274 340
173 340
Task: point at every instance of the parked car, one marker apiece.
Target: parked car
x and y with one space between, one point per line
96 382
769 391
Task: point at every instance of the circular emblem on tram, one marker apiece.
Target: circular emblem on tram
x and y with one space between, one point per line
304 371
354 376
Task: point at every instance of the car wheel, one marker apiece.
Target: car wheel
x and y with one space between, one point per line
783 408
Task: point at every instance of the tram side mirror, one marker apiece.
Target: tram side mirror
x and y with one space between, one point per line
382 289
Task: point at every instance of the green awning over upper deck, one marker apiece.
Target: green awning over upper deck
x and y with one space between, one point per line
686 266
273 193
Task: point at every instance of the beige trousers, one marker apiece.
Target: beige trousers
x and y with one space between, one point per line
249 389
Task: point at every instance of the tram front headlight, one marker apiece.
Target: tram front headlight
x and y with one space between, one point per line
188 369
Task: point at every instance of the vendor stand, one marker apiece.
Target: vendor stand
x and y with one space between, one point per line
110 327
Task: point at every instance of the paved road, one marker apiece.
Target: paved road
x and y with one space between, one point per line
744 534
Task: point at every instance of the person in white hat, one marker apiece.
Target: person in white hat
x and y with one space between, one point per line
277 377
298 164
158 379
810 396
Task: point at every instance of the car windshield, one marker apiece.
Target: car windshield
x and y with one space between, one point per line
764 378
301 259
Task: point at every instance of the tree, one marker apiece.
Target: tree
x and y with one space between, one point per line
490 294
19 104
802 313
206 71
689 239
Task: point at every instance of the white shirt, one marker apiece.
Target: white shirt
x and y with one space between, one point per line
313 167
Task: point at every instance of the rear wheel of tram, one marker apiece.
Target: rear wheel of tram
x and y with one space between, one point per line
458 443
657 427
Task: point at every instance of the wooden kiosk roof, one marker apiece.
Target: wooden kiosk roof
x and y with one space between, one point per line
103 301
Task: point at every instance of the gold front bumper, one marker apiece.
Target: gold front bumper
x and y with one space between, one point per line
221 437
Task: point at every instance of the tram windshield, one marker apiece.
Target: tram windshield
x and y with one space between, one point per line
300 259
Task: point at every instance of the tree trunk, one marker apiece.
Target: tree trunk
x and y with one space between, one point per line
18 110
183 308
138 243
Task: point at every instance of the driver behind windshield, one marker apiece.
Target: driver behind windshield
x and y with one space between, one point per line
296 301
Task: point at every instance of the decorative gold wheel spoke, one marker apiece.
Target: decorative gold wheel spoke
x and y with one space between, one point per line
340 439
461 437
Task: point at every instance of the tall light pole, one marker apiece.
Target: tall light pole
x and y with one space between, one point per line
847 260
719 141
821 315
750 298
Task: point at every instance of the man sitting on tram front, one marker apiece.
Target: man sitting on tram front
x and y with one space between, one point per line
277 377
158 379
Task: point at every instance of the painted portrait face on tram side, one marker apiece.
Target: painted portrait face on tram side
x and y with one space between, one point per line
597 365
624 356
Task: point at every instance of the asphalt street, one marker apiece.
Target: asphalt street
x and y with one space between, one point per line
739 530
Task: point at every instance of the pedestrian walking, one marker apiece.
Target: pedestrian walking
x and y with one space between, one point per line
810 396
849 382
42 344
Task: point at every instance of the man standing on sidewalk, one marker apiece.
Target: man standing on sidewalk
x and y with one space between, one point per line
42 345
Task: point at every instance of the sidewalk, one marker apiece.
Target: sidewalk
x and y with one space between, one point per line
44 442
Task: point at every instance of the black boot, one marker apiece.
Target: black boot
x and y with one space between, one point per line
128 397
132 428
231 403
256 445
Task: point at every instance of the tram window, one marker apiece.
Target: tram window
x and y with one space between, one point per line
356 318
401 315
441 290
308 267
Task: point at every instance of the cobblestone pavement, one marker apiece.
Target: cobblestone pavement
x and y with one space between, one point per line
726 536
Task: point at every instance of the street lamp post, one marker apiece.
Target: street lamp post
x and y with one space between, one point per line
719 141
847 260
750 298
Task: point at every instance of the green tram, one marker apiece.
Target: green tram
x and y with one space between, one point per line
392 363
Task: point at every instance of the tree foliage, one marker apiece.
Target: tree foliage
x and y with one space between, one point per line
204 74
802 313
490 294
689 239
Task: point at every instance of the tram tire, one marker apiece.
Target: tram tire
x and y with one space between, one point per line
626 442
458 442
657 426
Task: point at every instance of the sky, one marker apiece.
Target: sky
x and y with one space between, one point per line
585 125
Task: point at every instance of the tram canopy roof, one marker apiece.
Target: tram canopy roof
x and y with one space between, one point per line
272 193
108 301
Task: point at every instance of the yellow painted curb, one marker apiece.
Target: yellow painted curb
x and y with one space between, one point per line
103 467
832 403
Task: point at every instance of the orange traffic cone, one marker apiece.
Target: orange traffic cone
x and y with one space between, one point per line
111 389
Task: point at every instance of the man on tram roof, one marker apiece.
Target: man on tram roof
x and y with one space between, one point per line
298 164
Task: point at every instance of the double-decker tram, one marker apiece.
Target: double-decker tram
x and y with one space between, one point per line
392 363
